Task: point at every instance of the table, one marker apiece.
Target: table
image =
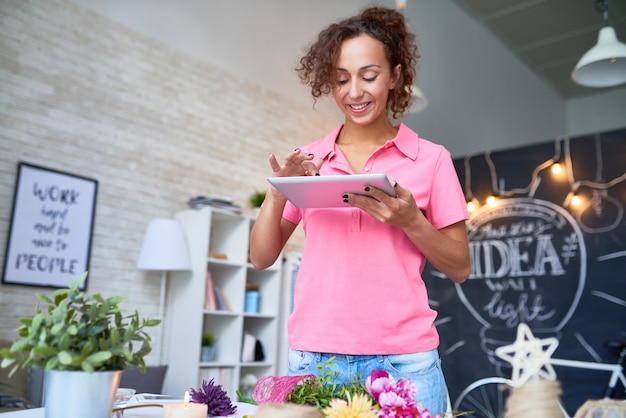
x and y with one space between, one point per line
147 412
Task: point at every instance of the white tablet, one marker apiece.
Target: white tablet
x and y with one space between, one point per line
327 191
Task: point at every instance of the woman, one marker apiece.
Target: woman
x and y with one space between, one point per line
359 295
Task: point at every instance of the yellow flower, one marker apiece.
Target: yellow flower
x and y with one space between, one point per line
358 407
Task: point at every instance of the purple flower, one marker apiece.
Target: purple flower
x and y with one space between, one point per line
218 402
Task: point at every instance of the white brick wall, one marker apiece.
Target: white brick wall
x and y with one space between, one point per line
87 96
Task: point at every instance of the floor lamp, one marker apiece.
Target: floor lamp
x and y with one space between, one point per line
164 249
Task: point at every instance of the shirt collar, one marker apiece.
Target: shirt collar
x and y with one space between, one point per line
406 141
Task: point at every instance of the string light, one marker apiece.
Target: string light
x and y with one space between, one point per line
534 179
472 205
575 200
557 166
572 200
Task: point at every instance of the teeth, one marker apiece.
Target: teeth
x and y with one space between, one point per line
358 107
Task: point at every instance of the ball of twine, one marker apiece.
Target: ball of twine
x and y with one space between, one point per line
275 389
536 399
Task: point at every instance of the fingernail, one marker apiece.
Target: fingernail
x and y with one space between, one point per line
317 174
296 149
345 197
395 183
367 188
345 200
310 155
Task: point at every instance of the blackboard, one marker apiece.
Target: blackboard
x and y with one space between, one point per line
49 241
539 259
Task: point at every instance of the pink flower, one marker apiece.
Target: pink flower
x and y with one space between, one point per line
407 389
392 399
395 399
378 382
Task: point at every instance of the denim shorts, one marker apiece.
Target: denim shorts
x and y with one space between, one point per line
423 368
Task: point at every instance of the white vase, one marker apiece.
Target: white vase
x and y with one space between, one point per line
77 394
207 353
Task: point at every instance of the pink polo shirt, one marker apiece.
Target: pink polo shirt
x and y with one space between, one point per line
359 288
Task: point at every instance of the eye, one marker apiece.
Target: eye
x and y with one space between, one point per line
370 79
341 82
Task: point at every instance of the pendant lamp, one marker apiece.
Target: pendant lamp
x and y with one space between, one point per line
604 65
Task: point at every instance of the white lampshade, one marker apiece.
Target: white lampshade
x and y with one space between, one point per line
604 65
420 102
164 247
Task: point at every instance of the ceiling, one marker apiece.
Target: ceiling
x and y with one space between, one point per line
550 35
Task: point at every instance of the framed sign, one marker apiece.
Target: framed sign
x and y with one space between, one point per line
49 241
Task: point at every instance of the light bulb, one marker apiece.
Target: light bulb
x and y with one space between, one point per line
556 168
575 200
491 200
471 207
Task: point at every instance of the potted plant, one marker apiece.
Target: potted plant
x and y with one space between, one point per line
208 347
256 200
83 343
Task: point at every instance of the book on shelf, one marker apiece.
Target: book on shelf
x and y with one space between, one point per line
248 349
252 349
210 302
221 300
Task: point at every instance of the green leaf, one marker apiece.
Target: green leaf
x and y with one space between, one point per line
115 336
127 354
20 345
97 359
7 361
86 366
151 322
64 357
53 363
72 329
64 342
44 351
56 329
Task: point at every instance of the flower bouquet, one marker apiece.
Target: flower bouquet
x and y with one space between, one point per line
380 396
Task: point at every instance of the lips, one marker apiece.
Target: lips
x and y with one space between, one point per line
359 107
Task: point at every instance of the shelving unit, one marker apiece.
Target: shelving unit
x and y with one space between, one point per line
225 236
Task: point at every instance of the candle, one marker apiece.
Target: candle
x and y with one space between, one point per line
185 410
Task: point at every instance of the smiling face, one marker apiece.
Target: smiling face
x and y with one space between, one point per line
363 80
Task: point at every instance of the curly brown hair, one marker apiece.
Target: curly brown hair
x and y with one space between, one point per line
317 66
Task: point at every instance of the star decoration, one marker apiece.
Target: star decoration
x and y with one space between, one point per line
529 356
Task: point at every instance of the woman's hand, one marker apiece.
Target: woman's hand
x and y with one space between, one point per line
399 210
447 248
295 163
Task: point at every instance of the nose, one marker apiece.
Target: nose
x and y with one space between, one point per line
355 88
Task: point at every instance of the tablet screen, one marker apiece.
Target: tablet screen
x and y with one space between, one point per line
327 191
